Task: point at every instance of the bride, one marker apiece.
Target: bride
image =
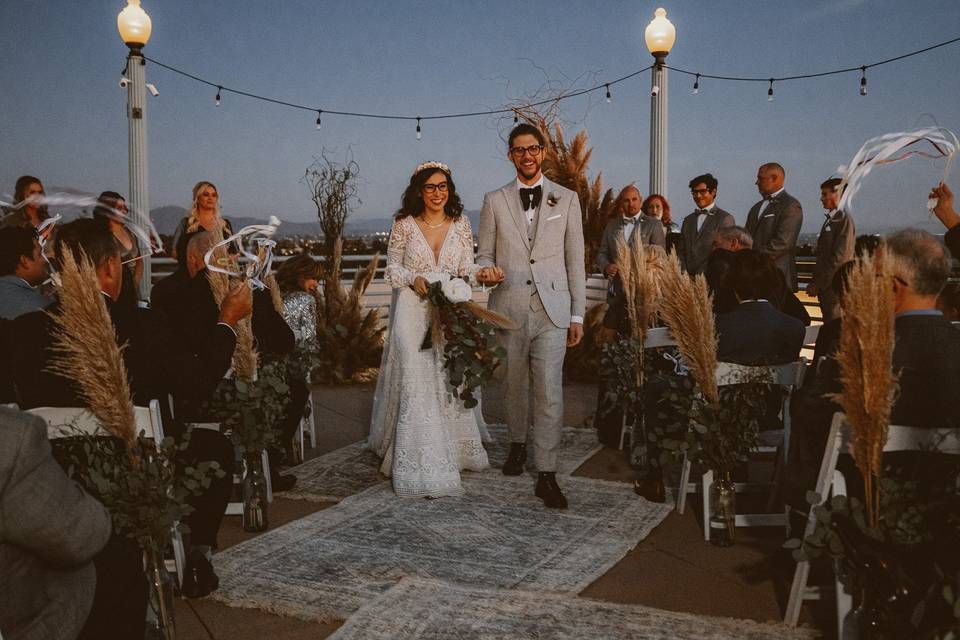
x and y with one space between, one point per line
420 428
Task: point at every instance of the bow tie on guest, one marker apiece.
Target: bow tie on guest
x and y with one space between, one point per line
531 197
629 222
703 212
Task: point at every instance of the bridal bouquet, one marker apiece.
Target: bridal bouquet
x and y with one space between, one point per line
466 332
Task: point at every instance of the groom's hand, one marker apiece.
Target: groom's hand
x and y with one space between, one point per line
574 334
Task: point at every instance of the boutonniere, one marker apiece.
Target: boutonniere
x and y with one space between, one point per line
552 198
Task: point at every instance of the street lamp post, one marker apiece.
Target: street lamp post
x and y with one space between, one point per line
660 36
135 27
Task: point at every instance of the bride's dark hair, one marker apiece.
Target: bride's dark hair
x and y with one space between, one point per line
412 202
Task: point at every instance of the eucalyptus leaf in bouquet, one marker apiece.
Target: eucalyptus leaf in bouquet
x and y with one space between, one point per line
251 409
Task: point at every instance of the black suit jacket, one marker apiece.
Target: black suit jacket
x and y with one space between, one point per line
952 239
725 300
927 356
755 333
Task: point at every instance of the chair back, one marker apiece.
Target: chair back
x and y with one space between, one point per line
789 375
903 438
659 337
811 334
61 421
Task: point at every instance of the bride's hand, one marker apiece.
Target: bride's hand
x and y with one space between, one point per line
420 286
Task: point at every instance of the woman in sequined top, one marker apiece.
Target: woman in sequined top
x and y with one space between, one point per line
297 278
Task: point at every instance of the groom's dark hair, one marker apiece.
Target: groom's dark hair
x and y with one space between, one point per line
525 129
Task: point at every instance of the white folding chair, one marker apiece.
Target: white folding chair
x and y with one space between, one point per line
899 438
811 334
787 376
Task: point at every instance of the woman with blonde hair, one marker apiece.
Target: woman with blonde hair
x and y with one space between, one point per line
204 215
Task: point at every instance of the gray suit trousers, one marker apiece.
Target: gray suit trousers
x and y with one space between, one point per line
534 363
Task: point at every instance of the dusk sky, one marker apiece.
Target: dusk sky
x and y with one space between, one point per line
63 114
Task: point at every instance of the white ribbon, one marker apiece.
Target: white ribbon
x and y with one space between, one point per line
260 261
893 147
679 367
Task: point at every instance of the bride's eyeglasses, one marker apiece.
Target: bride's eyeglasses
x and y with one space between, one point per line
431 188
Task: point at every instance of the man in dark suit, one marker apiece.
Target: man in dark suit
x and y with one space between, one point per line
775 221
834 247
22 270
700 227
755 332
51 530
157 365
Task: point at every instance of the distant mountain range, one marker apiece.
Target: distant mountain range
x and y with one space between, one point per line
166 219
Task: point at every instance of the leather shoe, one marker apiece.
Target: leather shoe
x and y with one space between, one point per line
651 488
280 482
549 491
515 459
199 579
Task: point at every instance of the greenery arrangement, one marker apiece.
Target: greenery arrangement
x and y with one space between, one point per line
467 333
251 409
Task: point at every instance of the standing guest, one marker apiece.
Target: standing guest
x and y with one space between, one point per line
27 209
700 227
656 206
835 246
51 531
531 229
22 269
110 208
948 216
204 214
624 230
775 221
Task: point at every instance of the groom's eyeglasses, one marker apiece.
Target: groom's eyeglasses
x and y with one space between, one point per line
431 188
533 150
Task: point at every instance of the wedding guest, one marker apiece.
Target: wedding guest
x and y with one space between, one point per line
775 221
656 206
111 210
700 227
204 214
948 216
623 231
27 210
948 302
22 270
835 245
51 530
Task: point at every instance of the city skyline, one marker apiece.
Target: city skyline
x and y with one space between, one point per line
65 118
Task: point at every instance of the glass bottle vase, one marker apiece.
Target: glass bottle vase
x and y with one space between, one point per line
723 502
254 496
160 618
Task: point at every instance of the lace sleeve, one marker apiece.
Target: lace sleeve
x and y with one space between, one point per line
396 274
467 268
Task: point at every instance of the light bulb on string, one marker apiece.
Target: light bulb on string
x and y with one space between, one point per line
216 100
516 117
609 97
863 81
770 91
419 135
319 111
696 85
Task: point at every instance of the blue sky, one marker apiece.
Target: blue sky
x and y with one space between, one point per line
63 112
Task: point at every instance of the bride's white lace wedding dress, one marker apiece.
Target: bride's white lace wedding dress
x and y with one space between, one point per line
420 428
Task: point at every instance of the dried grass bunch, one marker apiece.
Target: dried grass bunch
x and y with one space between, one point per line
85 349
865 357
245 356
350 339
687 309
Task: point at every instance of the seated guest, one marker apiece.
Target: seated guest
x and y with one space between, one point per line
756 333
726 242
22 270
51 529
156 364
187 300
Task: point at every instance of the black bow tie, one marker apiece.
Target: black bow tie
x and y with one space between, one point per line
703 212
631 221
531 197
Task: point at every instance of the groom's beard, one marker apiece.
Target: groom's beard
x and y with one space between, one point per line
529 172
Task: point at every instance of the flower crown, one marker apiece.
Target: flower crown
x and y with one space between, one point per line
432 165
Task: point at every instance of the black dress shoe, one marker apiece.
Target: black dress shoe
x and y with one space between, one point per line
199 580
549 491
651 488
281 482
515 459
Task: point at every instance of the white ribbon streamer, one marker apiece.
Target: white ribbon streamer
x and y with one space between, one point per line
260 261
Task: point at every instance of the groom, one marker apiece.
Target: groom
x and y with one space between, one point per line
532 243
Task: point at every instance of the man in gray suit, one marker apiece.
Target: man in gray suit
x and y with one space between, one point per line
531 241
700 227
775 221
50 530
834 247
624 230
22 269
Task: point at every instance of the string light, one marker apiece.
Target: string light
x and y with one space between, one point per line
770 91
863 81
319 111
696 85
516 117
609 97
418 129
216 100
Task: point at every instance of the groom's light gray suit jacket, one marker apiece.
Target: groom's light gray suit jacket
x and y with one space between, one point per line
545 257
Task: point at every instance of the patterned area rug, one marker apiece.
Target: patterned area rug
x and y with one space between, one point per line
431 610
329 564
351 469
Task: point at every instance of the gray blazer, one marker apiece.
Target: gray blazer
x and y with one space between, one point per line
50 529
697 245
649 231
834 247
775 233
17 298
544 258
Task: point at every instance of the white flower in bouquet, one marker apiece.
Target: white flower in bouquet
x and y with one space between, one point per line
457 290
436 276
